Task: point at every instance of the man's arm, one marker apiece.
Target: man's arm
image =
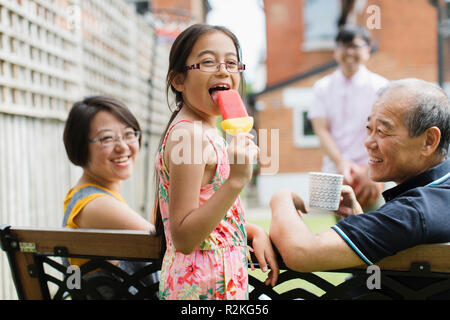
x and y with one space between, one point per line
300 249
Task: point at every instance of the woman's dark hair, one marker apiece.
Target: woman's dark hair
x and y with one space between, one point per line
78 125
179 53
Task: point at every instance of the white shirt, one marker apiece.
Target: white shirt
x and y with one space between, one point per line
346 103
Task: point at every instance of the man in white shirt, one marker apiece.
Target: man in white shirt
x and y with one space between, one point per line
342 103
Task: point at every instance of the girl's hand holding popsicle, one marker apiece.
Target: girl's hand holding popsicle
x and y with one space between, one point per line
242 154
242 151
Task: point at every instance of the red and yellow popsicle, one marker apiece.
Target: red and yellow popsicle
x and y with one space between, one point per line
234 115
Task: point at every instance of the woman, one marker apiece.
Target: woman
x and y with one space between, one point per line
103 137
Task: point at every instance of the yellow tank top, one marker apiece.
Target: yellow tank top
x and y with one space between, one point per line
76 199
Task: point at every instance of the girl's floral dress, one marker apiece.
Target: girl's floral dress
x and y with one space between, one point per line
217 269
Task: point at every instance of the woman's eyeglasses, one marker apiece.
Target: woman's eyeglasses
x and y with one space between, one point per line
128 137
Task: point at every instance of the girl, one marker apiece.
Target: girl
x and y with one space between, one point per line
199 208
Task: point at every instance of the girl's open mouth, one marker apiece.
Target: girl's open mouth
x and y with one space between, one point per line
219 87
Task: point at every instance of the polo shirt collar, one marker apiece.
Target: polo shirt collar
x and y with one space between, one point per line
420 180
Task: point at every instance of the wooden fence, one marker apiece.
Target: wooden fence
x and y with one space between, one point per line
53 53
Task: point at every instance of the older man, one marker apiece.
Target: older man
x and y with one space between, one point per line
408 135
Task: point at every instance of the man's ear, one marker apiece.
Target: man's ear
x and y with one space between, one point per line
178 82
431 142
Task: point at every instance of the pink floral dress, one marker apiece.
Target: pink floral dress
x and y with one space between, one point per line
217 269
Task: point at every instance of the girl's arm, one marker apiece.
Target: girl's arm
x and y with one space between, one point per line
264 253
190 223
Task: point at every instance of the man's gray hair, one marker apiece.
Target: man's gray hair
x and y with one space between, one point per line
430 107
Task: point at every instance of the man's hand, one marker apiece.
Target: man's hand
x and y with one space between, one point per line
367 191
347 168
348 204
298 204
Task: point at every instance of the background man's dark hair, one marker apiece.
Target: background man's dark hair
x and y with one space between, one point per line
347 33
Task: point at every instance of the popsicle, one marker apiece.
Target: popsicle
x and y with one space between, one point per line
234 115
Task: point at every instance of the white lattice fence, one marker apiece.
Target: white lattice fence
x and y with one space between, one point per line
53 53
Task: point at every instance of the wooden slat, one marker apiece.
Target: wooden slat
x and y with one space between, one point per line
116 243
437 255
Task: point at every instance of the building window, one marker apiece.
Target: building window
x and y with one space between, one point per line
300 100
304 136
308 130
321 24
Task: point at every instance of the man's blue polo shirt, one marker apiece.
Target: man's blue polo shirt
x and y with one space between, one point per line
416 212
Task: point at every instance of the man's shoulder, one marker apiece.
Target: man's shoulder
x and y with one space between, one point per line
427 201
431 202
377 79
325 82
440 193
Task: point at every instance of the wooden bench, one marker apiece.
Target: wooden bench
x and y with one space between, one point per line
35 256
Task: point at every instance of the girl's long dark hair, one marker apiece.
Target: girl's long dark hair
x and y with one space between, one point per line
179 53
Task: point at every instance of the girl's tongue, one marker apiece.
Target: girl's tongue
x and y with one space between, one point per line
213 95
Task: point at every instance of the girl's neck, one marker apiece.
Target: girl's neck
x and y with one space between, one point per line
88 178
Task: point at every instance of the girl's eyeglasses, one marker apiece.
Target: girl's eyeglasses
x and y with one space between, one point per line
211 66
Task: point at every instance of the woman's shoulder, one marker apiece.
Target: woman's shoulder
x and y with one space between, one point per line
87 189
78 198
92 202
80 195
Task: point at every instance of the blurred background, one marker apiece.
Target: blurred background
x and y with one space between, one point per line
54 52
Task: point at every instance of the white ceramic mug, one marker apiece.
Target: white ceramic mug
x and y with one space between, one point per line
325 190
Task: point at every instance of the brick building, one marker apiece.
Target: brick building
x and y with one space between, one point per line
300 43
